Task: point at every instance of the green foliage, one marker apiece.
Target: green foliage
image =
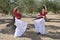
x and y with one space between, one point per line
29 6
53 6
4 5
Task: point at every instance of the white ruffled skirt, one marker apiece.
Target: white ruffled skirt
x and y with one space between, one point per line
40 25
20 27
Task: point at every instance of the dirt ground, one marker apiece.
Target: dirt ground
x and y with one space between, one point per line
52 29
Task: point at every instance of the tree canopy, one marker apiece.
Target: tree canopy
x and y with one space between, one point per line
4 6
29 6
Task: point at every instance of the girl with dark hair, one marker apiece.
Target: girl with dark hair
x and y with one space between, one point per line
20 25
17 13
40 23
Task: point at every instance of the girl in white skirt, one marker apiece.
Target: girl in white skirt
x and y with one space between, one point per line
20 25
40 23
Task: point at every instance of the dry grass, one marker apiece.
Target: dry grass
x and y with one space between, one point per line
52 28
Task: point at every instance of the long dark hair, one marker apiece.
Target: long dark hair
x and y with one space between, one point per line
43 7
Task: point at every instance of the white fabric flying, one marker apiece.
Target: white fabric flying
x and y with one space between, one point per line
20 27
40 25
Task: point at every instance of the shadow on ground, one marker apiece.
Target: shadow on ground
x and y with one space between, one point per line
7 30
53 35
54 20
10 30
32 35
30 26
53 27
3 21
28 34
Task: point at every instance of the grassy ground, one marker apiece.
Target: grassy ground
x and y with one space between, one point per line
52 29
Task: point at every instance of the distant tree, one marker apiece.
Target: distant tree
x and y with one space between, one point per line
5 6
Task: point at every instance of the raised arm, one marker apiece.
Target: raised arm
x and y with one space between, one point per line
45 8
16 8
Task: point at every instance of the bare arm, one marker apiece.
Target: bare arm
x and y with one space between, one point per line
16 7
45 8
